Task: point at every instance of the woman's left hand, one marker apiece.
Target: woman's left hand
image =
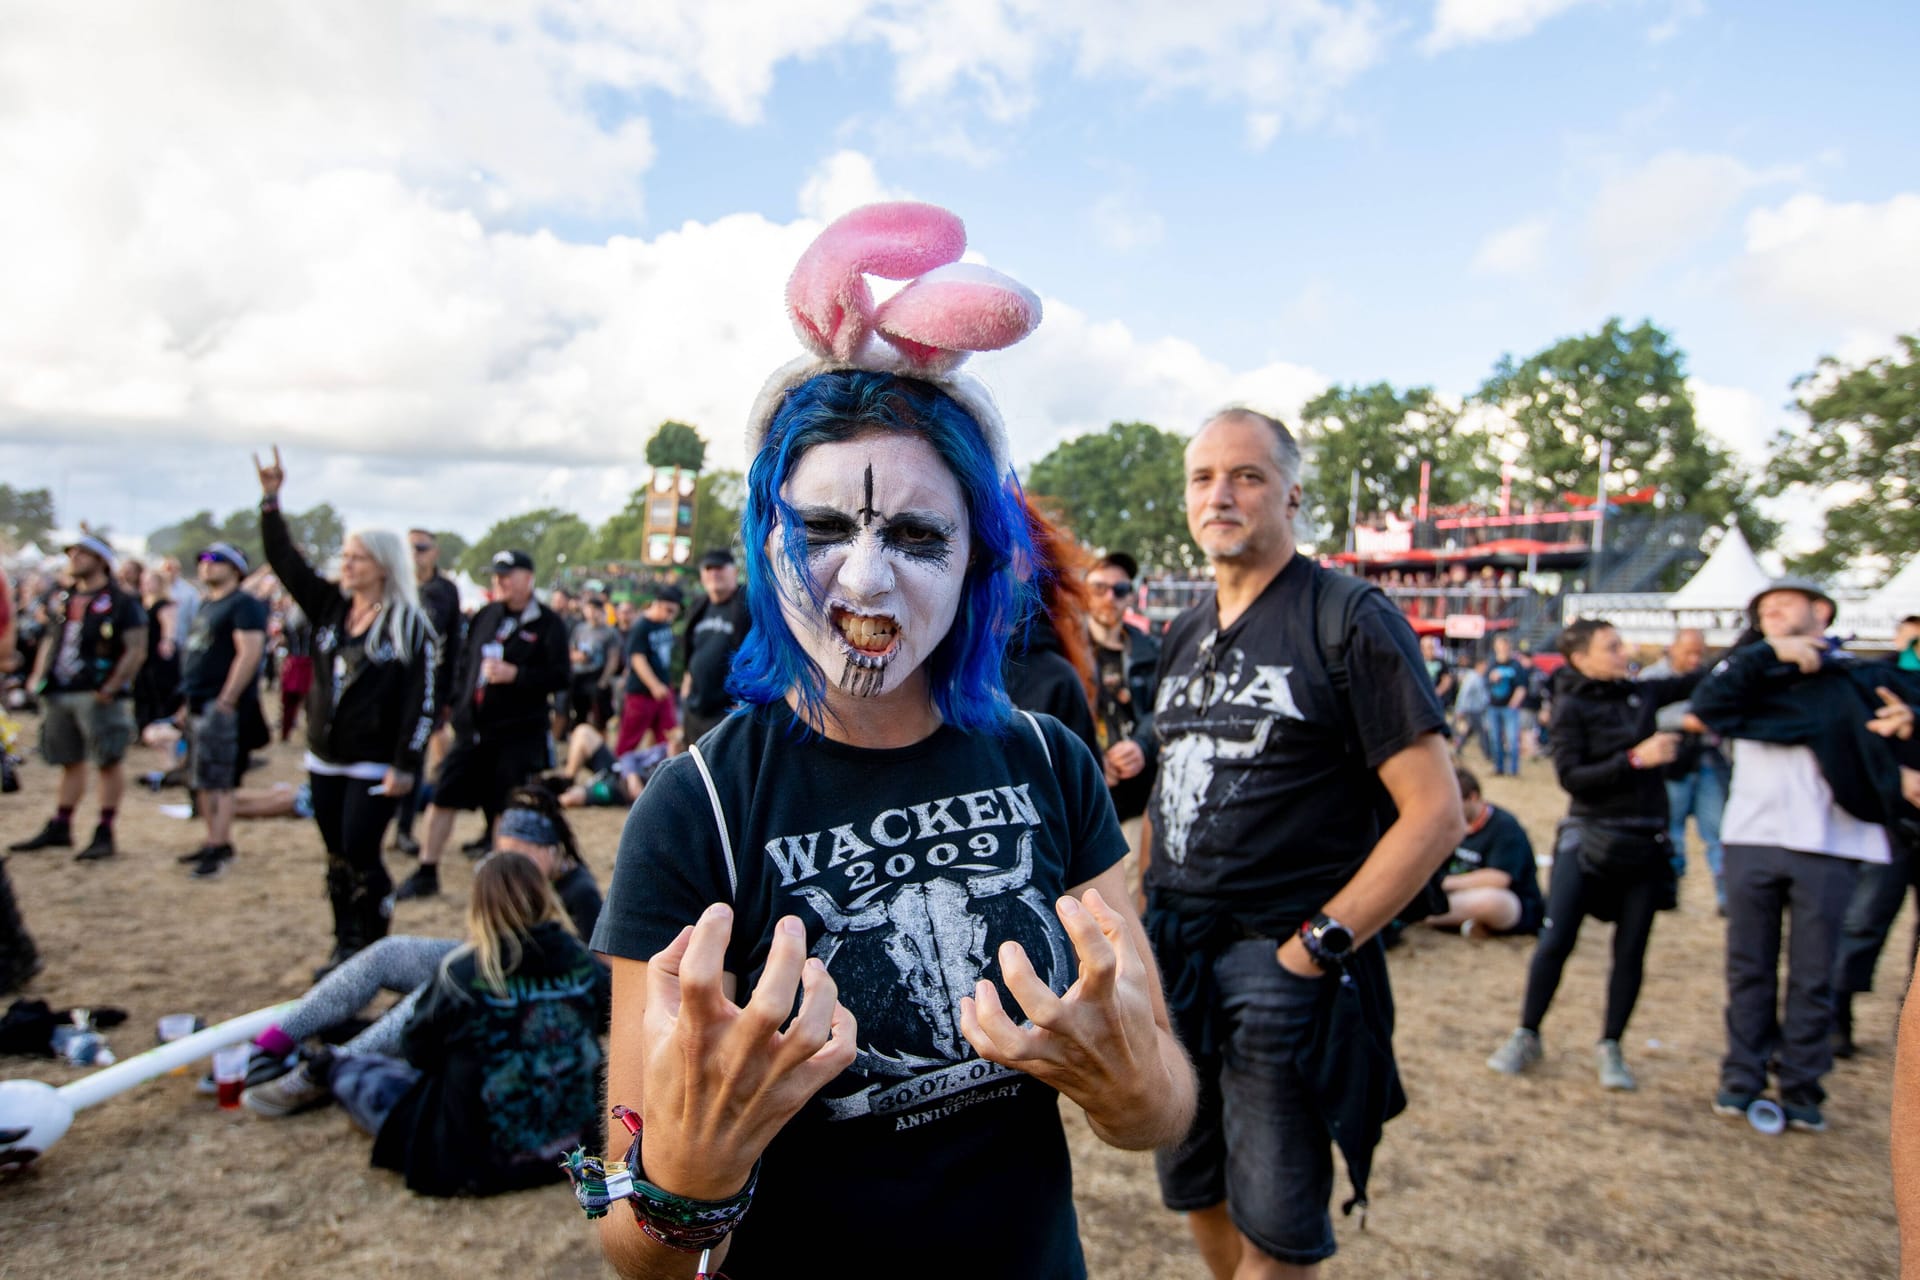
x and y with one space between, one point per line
397 783
1099 1043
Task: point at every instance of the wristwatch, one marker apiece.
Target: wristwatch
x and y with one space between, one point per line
1328 942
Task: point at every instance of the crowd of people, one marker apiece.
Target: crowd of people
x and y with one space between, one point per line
928 828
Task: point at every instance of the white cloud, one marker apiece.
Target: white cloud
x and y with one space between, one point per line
1647 217
842 182
1739 419
1517 250
1854 265
1122 223
1464 22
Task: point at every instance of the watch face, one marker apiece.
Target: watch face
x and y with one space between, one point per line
1336 938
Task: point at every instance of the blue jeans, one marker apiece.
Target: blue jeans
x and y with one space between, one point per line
1503 727
1702 793
369 1086
1258 1142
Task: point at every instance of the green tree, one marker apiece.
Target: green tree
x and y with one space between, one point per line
26 515
317 531
453 548
1122 490
1627 387
547 534
1862 435
719 499
184 538
242 530
675 444
1385 435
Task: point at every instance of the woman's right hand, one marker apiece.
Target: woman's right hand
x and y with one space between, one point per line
1660 749
271 478
722 1079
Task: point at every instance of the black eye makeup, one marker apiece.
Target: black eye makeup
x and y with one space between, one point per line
921 537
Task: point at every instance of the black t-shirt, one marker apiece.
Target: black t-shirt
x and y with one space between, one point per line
908 867
210 646
714 633
91 632
1260 797
581 897
654 641
1500 844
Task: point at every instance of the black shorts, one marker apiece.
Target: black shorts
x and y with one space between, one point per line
480 774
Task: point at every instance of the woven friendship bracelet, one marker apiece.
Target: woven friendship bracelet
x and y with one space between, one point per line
678 1222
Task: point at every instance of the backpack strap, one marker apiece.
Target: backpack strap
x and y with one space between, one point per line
1040 733
1336 602
719 819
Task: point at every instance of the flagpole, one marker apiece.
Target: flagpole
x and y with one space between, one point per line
1600 514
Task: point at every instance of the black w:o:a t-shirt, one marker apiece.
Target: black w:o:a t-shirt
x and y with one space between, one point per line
909 867
1259 798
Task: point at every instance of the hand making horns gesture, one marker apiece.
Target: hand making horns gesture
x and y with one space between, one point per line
271 478
1099 1043
722 1079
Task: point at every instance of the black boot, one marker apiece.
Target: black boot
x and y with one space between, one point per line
19 959
1843 1045
423 883
347 935
55 835
101 846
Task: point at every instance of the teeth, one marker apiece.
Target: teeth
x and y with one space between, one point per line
870 634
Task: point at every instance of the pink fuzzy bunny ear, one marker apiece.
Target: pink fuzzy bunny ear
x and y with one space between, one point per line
831 306
953 310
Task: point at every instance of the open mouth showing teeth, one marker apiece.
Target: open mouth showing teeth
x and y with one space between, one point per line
867 635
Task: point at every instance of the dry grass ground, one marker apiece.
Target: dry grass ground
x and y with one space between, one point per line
1483 1177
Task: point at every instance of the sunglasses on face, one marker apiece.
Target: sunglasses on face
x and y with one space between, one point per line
421 548
1119 590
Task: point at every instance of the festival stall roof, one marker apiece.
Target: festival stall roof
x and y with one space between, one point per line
1728 580
1900 598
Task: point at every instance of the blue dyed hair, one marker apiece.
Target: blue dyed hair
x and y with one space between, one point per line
964 670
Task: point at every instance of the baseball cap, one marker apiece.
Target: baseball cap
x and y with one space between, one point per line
508 561
228 552
87 542
717 558
670 593
1808 587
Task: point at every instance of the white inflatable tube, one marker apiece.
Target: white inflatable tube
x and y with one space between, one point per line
40 1113
122 1076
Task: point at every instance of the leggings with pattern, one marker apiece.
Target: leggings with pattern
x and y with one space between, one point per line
400 964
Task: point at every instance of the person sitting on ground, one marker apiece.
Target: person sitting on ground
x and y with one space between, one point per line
1491 884
593 777
495 1076
281 1083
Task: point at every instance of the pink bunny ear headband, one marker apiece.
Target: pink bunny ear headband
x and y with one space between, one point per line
949 310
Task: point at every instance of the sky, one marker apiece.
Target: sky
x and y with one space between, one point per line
458 258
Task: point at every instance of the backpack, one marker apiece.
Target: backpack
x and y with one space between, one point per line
1337 598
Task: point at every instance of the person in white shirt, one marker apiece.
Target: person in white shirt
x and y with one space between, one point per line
1816 779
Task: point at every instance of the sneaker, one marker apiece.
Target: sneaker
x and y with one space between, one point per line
1733 1103
213 862
100 847
55 835
1804 1116
1613 1067
261 1067
423 883
293 1092
188 859
1521 1051
406 844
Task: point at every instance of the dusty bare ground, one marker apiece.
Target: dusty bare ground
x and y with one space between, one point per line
1483 1177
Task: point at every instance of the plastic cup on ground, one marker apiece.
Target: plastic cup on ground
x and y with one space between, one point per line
230 1074
1766 1117
175 1026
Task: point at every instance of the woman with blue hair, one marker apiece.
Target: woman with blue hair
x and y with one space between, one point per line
876 834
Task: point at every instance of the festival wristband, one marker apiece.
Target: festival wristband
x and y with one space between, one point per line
678 1222
1633 760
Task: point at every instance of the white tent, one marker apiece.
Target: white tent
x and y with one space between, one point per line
1900 598
1731 576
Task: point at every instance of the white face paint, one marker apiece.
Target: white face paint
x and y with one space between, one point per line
887 543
